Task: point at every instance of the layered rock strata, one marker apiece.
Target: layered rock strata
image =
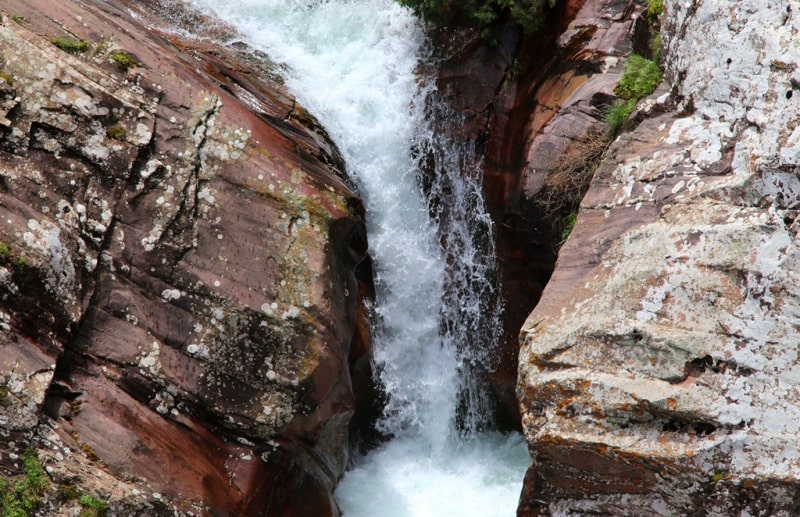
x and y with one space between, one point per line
658 373
177 247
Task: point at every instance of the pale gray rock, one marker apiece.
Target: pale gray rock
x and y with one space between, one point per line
659 375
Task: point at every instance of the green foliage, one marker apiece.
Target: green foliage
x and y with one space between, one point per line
20 497
7 258
483 14
7 78
21 264
512 73
117 132
655 46
616 116
124 60
654 10
93 507
641 78
527 13
19 20
569 224
720 476
35 478
70 45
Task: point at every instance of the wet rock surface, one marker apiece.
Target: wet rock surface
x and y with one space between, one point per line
658 371
548 121
534 106
177 247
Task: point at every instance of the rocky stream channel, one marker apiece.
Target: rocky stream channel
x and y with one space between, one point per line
191 283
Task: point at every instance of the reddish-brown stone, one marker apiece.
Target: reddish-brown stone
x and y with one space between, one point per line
188 300
507 94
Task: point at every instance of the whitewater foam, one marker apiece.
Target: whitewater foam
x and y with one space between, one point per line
354 64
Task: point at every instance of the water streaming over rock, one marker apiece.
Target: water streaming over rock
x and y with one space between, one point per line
354 64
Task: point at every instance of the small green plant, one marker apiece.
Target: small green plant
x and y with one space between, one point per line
654 10
21 496
655 46
569 224
19 20
7 258
123 60
70 45
35 477
93 507
640 79
720 476
512 73
117 132
20 264
7 78
642 76
617 115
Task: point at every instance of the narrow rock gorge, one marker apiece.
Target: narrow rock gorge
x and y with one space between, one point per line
185 290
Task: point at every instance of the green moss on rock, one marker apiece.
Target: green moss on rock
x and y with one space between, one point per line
71 45
21 495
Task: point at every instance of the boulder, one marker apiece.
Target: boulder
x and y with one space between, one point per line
177 255
658 373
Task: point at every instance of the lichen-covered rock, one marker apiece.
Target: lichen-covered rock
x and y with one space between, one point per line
177 247
659 372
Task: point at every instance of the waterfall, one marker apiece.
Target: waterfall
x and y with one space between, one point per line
470 309
354 64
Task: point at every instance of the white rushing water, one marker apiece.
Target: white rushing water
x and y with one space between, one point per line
353 64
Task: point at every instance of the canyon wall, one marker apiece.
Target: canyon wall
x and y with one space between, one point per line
177 255
534 105
658 374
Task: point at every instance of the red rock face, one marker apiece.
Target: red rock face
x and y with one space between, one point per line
550 94
472 81
178 277
508 95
